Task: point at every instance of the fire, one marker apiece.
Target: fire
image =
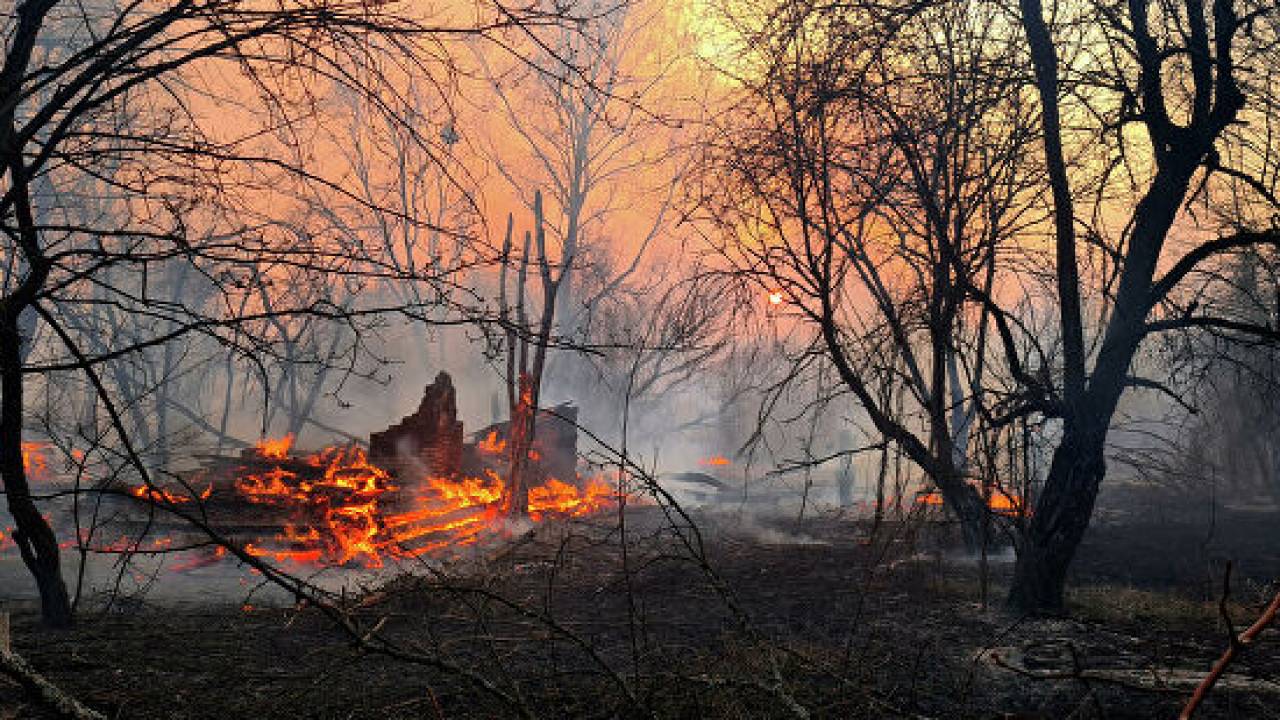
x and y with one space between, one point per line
332 507
163 496
1005 504
34 462
555 496
716 461
492 444
469 492
931 498
776 298
1000 502
335 507
277 449
447 513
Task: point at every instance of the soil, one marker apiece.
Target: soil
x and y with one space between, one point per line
780 617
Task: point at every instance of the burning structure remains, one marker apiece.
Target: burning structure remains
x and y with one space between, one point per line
419 489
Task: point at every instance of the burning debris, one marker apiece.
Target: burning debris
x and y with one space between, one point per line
419 489
1000 502
34 461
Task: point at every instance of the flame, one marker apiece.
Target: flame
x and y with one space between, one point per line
1005 504
776 298
332 516
34 461
335 507
1000 502
716 461
492 444
163 496
346 510
933 498
558 497
277 449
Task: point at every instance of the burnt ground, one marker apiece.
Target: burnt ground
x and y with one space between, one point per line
815 616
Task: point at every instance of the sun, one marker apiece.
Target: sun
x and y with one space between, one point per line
713 40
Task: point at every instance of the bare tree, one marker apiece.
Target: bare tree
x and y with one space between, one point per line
528 338
1178 75
870 194
587 132
1188 112
121 95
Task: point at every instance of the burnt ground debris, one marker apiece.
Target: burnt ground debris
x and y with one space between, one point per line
894 627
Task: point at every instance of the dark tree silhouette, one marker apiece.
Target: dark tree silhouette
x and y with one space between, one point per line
139 138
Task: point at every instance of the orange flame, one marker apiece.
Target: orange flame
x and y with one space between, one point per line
335 507
34 462
277 449
1000 502
492 444
931 498
163 496
558 497
716 461
352 513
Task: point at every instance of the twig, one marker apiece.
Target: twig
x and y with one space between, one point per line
1239 643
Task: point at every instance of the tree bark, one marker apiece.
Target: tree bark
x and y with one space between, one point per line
521 442
1062 516
33 535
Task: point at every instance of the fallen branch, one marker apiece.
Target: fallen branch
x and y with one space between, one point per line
14 666
1239 643
1150 679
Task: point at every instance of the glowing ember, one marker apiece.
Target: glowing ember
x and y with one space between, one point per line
335 507
1000 503
775 298
562 498
1005 504
932 498
162 496
34 462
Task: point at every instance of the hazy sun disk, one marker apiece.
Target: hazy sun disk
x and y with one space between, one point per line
712 39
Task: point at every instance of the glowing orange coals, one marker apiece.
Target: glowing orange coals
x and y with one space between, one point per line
335 507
